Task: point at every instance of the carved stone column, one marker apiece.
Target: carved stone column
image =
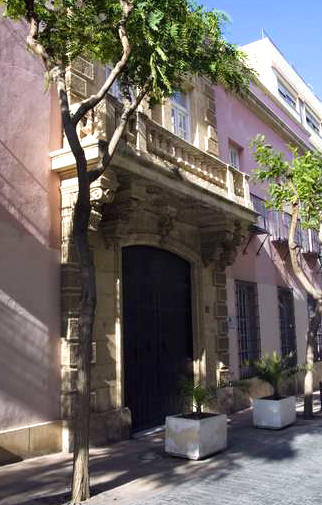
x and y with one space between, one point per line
102 192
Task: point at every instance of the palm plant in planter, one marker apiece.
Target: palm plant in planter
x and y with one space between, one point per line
274 411
196 434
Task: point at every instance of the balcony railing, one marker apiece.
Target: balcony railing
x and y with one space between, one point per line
262 223
277 224
218 176
310 242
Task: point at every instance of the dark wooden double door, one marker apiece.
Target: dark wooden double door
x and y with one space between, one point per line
157 333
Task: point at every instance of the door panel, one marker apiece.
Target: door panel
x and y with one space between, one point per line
157 332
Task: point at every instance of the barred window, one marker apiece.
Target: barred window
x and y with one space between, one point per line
248 325
287 323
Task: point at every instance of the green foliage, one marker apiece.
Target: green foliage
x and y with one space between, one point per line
196 394
299 180
169 39
273 368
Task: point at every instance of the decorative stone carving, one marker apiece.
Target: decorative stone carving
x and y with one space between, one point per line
102 191
220 245
165 223
99 121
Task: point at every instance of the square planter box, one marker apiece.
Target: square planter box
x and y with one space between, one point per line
274 414
195 438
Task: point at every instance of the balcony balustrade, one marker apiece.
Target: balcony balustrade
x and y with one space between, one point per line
167 147
150 138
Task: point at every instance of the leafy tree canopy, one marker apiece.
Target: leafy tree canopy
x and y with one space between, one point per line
168 39
296 182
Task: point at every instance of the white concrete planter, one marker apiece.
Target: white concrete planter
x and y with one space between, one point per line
274 414
195 438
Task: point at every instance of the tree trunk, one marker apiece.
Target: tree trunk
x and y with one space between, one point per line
80 486
314 320
308 379
80 490
314 323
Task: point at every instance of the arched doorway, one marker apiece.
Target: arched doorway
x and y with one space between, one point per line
157 331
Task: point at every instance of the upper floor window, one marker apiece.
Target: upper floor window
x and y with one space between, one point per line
234 156
287 95
115 88
180 115
312 121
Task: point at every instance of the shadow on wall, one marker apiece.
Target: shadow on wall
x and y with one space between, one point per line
27 367
29 327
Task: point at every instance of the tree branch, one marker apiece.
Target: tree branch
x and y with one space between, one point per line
118 132
298 271
72 137
93 100
32 36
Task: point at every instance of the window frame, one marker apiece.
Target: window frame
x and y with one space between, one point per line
288 96
234 149
288 338
114 90
248 326
177 110
313 118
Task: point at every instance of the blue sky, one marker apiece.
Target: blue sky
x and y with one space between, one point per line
294 26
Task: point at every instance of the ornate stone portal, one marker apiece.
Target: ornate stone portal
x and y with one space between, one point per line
127 210
163 192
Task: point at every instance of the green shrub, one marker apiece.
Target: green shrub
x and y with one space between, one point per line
273 368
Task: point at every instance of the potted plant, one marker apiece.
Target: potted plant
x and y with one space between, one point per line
197 434
275 411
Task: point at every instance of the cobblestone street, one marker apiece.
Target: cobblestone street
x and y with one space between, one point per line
259 467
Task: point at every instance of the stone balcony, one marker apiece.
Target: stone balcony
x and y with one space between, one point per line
200 168
148 143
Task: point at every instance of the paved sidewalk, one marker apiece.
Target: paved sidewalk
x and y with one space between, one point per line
260 467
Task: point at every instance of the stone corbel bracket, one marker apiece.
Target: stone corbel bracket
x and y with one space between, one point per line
102 191
221 245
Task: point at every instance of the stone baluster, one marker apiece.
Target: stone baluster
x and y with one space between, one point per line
152 140
247 197
141 133
179 154
230 183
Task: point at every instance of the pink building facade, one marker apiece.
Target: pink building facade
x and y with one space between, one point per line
29 254
267 308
